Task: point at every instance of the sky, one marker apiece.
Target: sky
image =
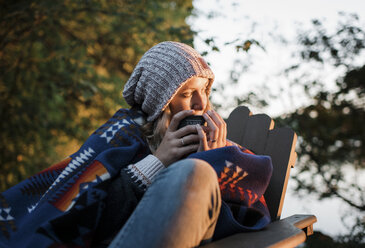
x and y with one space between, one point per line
267 21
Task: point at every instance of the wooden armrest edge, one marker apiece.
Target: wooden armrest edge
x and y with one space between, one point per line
287 232
302 221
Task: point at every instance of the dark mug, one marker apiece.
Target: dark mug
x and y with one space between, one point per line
192 120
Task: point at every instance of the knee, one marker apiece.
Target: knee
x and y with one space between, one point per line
203 169
202 187
197 171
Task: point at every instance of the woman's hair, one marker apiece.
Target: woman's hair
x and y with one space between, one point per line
155 131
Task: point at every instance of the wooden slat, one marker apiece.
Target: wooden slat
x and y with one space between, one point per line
280 147
236 124
256 133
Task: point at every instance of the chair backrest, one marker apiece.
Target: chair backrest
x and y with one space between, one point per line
257 133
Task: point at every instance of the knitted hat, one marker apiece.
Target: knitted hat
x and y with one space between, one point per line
160 73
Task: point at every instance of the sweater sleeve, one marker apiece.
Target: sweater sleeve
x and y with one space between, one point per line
144 172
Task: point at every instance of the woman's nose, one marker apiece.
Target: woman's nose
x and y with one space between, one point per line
198 101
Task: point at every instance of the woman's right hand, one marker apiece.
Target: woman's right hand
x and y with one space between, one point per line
178 143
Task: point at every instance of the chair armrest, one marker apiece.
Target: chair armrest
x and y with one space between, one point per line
288 232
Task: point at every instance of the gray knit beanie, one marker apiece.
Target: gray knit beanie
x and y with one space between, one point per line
160 73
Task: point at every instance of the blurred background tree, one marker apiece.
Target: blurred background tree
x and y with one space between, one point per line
331 128
63 65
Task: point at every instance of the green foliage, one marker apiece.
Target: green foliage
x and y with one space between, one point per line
248 44
356 236
331 129
62 69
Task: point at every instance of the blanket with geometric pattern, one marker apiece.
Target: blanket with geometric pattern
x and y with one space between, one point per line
61 206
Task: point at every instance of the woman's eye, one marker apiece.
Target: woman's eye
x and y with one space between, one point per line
186 94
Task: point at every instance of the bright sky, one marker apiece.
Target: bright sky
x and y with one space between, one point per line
266 21
235 19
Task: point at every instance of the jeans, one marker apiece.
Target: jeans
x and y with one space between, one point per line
179 209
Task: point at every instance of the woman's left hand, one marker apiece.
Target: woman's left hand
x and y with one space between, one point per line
214 134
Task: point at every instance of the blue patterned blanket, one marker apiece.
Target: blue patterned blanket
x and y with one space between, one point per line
62 205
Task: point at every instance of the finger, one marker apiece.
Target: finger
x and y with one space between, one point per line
178 117
205 129
182 132
222 126
214 115
177 153
212 127
186 150
203 144
183 151
189 139
224 131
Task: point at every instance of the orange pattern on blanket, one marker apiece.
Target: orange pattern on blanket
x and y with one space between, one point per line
94 170
228 183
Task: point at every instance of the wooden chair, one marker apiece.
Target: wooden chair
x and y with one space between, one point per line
257 133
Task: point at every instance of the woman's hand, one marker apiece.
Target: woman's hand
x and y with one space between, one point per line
177 144
214 134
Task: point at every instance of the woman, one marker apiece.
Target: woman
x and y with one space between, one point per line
170 82
183 201
130 184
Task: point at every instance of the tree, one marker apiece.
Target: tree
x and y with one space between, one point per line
63 65
331 128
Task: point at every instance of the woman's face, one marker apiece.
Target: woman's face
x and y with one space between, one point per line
192 95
